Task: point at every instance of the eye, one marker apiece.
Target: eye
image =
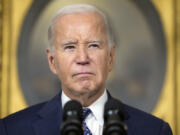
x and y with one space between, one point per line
69 47
94 45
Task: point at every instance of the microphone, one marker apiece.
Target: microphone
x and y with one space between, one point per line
113 118
72 117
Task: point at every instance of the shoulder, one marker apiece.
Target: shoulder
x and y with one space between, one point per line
28 114
137 114
20 122
2 128
33 113
144 123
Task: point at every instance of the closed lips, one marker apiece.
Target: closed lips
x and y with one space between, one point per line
83 73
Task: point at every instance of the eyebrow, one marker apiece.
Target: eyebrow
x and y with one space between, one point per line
69 42
75 42
93 41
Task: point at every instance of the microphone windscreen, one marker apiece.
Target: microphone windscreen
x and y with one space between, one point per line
114 104
74 108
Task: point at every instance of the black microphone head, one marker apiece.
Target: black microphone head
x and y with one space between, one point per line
72 108
116 106
72 119
113 118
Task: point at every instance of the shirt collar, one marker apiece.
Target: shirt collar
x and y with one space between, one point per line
64 99
97 107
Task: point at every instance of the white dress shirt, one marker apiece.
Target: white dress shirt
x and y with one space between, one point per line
94 120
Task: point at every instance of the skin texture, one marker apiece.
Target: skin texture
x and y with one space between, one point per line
81 57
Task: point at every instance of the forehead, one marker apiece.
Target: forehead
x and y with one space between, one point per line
87 18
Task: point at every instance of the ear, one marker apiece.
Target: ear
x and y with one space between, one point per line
112 58
51 61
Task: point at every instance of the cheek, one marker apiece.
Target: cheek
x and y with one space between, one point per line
103 65
62 65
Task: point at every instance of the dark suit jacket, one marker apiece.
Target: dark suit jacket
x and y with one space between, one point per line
45 119
2 128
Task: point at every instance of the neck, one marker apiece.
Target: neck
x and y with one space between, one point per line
86 99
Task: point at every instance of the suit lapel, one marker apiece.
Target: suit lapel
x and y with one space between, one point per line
49 118
125 113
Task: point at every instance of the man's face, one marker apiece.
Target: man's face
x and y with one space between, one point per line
82 57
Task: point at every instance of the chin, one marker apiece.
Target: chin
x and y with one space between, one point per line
82 90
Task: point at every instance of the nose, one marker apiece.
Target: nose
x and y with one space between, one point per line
82 56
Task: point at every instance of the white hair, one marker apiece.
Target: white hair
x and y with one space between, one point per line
80 8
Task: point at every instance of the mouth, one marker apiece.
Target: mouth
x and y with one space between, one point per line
83 74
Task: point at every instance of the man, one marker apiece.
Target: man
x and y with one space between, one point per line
81 54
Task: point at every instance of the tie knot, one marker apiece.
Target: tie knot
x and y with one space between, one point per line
86 112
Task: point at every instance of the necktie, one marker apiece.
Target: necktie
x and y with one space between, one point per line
86 112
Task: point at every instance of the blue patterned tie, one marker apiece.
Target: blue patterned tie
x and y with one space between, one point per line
86 112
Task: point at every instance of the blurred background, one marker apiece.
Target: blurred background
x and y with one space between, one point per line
147 70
